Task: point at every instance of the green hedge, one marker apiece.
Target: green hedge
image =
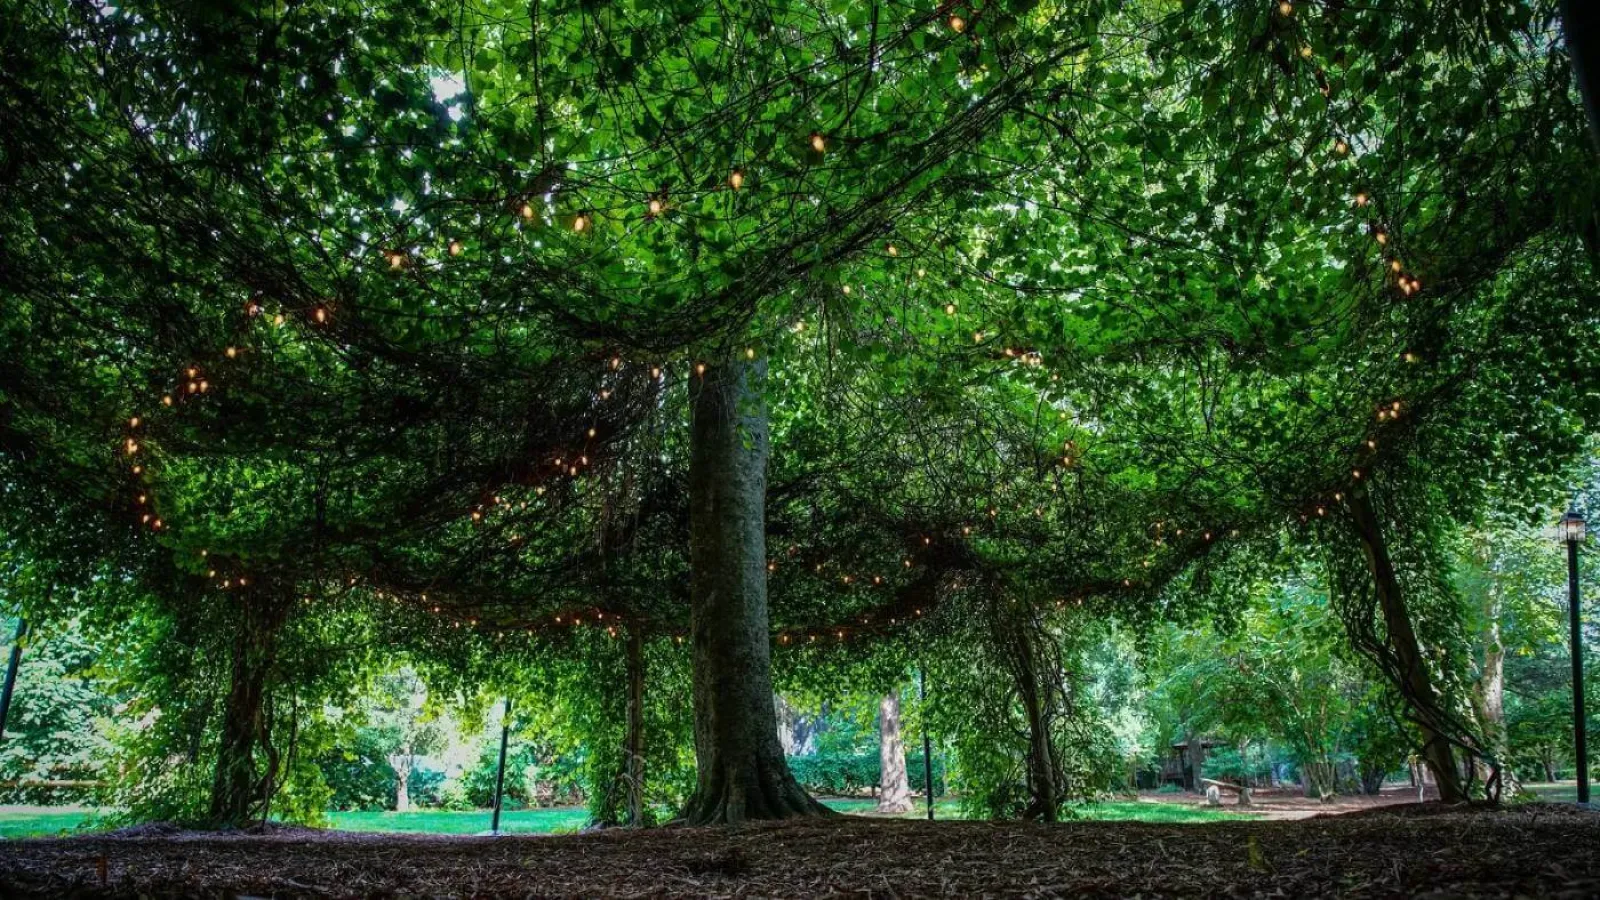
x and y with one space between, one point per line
855 773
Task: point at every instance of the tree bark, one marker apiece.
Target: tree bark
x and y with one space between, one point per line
1489 694
894 792
741 772
236 791
1041 769
1415 682
402 763
634 772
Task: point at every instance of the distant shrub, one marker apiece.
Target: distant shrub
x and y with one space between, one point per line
845 774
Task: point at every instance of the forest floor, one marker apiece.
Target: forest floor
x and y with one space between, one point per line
1544 850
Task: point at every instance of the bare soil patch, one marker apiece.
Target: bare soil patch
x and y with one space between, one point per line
1541 850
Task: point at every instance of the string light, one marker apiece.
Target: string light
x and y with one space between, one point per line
580 222
957 24
817 142
736 179
455 248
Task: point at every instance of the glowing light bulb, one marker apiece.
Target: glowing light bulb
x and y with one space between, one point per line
656 206
950 309
817 142
1362 199
527 211
1305 51
749 353
580 222
232 352
957 24
133 422
700 368
736 179
320 314
893 250
1340 147
1286 8
455 248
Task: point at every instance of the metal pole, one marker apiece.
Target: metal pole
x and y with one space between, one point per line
11 674
1579 726
927 745
500 770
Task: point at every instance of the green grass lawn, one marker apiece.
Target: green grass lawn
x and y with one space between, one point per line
1111 811
434 821
42 821
1557 791
34 821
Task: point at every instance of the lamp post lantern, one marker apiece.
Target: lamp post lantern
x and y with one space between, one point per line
1572 531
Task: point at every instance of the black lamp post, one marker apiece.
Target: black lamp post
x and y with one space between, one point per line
1572 533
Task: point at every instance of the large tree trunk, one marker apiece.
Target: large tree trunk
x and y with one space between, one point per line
1416 685
741 772
1041 770
1197 761
1489 695
237 792
634 773
894 787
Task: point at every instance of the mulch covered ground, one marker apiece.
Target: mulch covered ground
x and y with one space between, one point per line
1537 851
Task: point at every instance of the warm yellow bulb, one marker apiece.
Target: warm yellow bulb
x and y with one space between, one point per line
1286 8
893 250
749 353
656 207
958 24
736 179
455 248
580 222
133 422
1306 51
817 142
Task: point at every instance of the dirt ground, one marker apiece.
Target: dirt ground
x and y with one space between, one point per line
1291 803
1541 850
